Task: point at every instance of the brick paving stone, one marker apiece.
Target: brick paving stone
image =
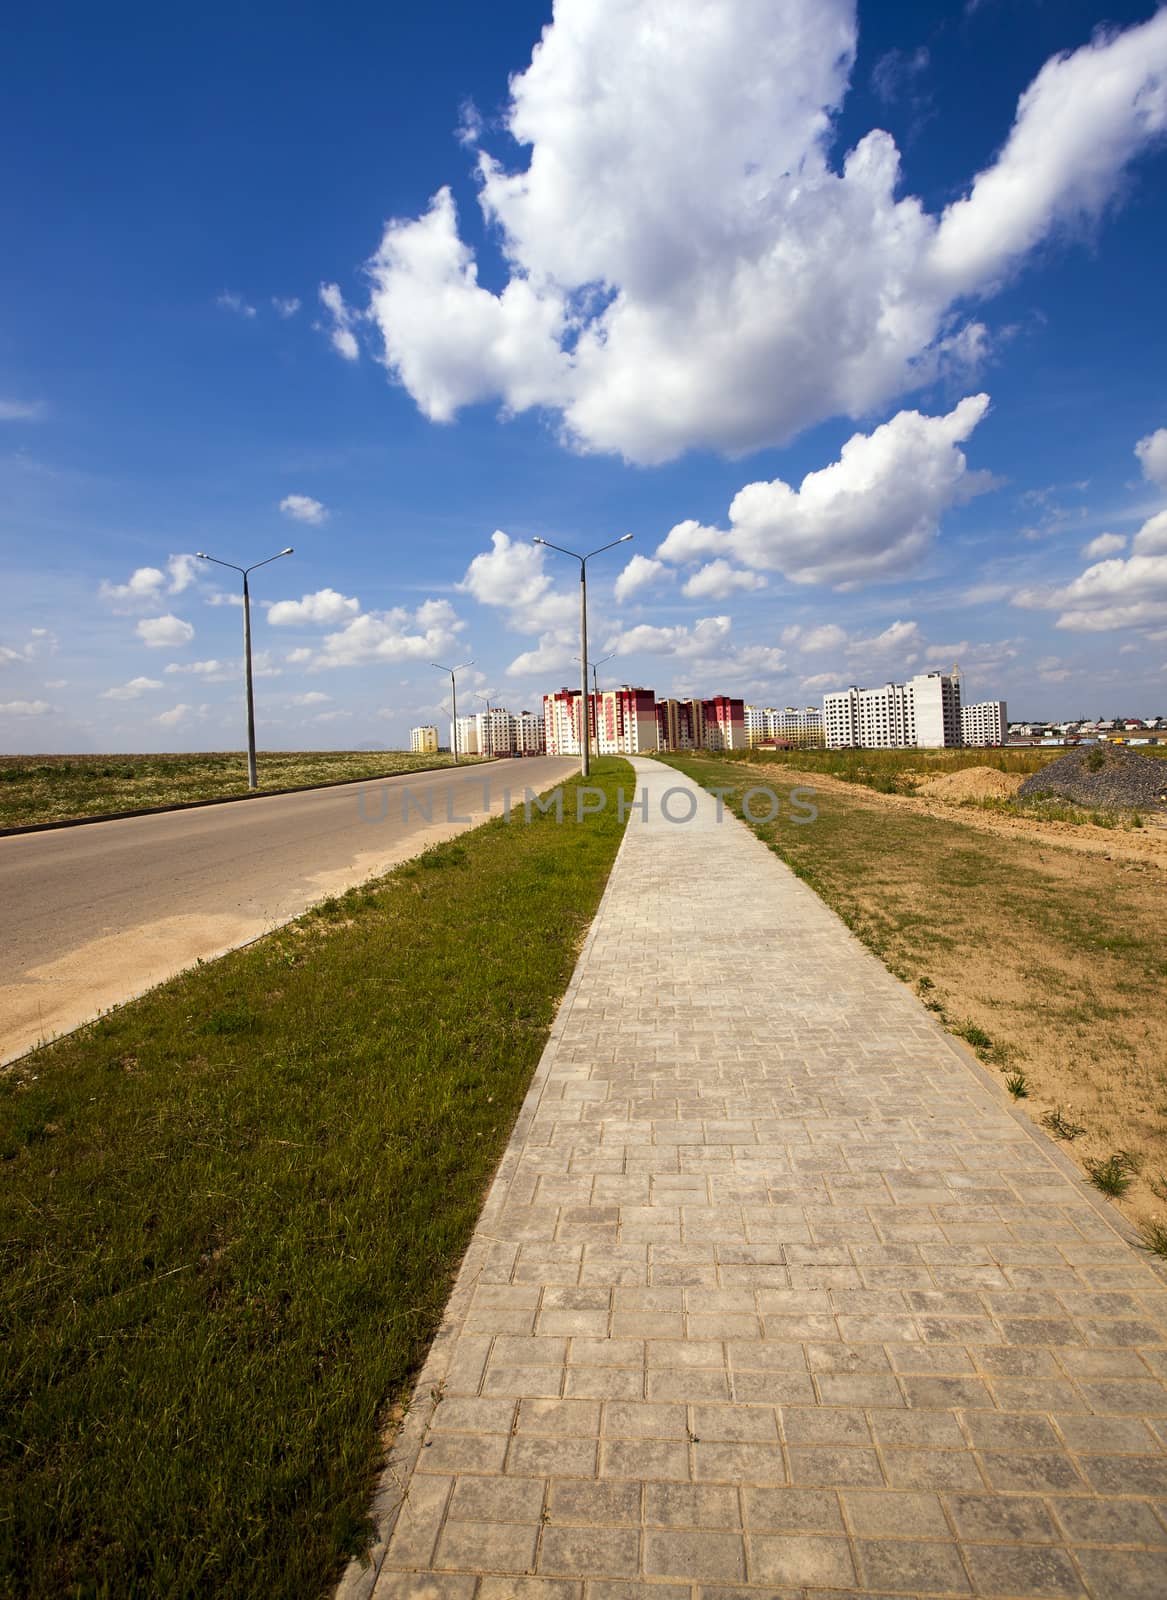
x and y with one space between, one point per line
773 1294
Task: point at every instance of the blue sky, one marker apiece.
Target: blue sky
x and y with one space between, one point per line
851 316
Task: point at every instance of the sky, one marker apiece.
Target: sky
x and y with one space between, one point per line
852 315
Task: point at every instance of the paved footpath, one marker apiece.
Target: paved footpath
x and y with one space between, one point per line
774 1294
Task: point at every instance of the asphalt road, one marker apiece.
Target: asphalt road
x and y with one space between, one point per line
91 916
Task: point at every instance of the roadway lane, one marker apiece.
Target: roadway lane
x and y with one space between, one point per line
94 915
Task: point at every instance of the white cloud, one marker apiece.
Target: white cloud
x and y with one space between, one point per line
146 585
303 508
1151 539
704 638
821 680
827 636
24 708
167 632
263 665
1106 544
285 307
1051 669
132 690
297 658
212 671
230 301
217 597
510 576
326 605
312 698
894 640
717 580
555 652
175 715
637 575
393 635
341 335
23 410
1152 454
873 512
659 280
1112 593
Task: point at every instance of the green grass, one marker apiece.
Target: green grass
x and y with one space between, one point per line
57 788
233 1209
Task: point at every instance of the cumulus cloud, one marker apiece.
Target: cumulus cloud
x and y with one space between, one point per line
212 671
395 635
132 690
340 335
1106 544
302 508
326 605
657 283
1152 454
147 585
637 575
826 636
285 307
704 638
555 652
166 632
873 512
1113 593
717 580
510 576
24 708
175 715
313 698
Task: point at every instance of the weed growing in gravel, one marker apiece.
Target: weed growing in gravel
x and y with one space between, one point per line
1113 1176
1018 1085
1155 1238
1061 1126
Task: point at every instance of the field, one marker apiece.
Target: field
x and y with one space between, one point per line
55 788
232 1212
1046 956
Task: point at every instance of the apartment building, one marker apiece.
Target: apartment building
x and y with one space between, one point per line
792 725
923 713
626 723
674 725
424 741
561 721
985 723
464 736
495 730
725 723
530 734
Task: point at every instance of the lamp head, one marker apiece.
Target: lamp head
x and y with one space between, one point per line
290 551
537 540
624 539
202 555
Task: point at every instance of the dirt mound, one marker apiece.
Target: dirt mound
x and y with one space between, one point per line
1104 776
972 783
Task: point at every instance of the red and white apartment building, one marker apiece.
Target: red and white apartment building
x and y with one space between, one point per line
628 721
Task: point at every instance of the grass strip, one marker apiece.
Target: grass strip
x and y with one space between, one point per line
58 788
1050 963
232 1212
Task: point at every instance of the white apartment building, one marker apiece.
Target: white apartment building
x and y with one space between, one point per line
496 732
530 734
424 741
923 713
984 723
464 736
790 725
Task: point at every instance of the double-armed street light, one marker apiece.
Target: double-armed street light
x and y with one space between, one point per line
252 780
461 667
585 731
596 690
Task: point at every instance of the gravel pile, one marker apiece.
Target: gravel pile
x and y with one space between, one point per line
1102 776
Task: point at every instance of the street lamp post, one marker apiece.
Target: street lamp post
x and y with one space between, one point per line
462 665
585 731
596 690
252 779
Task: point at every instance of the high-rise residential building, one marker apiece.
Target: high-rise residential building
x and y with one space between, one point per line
923 713
464 736
530 734
793 725
674 725
725 723
626 724
495 729
985 723
424 741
